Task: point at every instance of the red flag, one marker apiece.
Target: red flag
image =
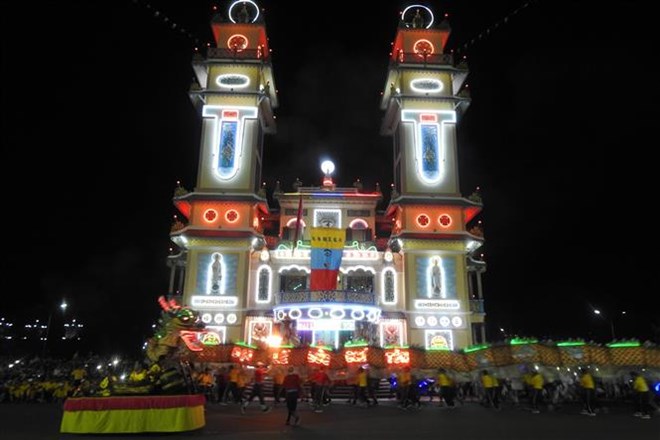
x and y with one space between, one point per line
298 219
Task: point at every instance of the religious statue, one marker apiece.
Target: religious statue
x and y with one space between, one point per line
243 14
216 274
418 20
436 279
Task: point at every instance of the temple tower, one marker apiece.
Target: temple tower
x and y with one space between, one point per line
234 90
423 100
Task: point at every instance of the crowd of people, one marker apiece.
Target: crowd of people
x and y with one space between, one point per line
39 379
238 384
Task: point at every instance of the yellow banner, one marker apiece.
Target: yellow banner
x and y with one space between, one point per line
328 238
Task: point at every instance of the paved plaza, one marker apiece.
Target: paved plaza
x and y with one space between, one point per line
344 422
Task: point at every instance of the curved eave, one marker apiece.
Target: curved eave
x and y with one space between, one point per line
470 208
458 77
182 236
201 68
472 242
184 203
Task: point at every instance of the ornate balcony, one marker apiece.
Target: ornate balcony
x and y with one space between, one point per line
326 296
416 58
216 53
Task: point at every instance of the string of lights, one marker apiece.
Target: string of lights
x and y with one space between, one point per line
463 48
170 22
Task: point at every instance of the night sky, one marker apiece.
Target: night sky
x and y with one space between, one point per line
97 128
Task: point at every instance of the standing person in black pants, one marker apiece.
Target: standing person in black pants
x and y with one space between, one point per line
292 386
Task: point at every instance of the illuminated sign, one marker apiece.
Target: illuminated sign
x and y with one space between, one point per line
242 354
304 254
325 324
397 357
441 321
439 340
210 338
326 311
213 302
437 304
220 330
281 357
356 355
318 356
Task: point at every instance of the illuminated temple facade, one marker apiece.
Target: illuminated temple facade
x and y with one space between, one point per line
409 273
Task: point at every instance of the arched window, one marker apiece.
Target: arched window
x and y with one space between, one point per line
389 288
263 284
293 280
358 280
358 230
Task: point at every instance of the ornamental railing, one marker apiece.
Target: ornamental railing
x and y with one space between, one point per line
246 54
416 58
327 296
477 305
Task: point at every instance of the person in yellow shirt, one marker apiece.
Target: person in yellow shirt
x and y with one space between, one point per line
404 382
232 386
641 396
587 391
138 375
206 382
536 382
447 388
491 389
78 374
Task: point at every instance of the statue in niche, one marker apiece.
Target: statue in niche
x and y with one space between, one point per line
436 280
243 14
216 274
289 332
418 20
364 332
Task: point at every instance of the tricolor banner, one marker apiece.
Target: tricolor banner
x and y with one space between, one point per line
327 249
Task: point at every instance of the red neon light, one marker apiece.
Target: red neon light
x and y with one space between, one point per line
281 357
242 354
237 42
319 356
356 356
423 220
191 340
210 215
423 48
229 114
429 118
397 357
231 216
444 220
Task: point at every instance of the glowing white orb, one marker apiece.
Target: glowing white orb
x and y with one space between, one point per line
327 167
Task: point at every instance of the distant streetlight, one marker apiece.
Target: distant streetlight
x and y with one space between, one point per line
611 321
63 306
